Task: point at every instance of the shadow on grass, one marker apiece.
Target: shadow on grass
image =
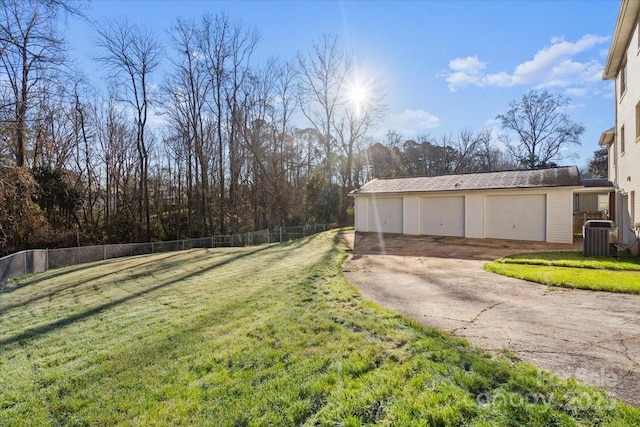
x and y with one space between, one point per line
44 329
63 271
71 285
70 270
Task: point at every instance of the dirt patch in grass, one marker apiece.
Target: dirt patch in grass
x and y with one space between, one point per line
447 247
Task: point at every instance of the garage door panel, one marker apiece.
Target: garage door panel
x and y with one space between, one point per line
442 216
516 217
385 215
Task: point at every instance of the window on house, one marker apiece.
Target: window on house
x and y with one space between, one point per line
622 140
623 78
637 121
603 202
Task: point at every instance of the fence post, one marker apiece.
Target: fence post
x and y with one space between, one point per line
47 261
24 256
213 243
268 236
104 252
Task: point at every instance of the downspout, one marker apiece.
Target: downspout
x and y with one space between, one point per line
634 245
616 162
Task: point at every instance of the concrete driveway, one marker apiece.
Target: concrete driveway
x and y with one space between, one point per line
440 282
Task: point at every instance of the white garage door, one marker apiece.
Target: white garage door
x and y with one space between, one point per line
516 217
385 215
442 216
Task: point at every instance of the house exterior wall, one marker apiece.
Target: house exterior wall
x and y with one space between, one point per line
361 213
628 176
559 217
624 151
587 203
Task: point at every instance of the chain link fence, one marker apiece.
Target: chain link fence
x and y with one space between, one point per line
40 260
277 235
21 263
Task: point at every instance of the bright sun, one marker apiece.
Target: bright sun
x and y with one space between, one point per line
358 96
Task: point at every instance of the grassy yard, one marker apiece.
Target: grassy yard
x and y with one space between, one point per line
269 335
572 270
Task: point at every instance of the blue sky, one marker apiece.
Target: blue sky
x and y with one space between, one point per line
445 65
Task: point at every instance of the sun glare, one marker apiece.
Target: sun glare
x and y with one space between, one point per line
358 96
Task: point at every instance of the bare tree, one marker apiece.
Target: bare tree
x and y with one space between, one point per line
272 162
131 54
542 130
475 152
357 115
214 46
242 43
323 73
30 52
355 119
226 48
188 89
116 140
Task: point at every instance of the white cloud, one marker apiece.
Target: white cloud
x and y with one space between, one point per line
499 79
412 122
492 123
547 58
575 92
567 67
552 66
464 72
470 64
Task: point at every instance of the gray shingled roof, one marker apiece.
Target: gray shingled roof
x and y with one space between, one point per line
555 177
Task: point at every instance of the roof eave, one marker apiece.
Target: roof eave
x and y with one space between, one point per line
625 24
462 190
607 137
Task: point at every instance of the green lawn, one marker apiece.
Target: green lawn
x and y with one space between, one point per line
269 335
625 261
572 270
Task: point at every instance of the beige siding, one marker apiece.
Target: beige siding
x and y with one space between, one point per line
587 203
410 215
560 217
635 209
361 214
627 175
474 219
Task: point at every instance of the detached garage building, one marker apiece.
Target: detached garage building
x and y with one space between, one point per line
534 205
